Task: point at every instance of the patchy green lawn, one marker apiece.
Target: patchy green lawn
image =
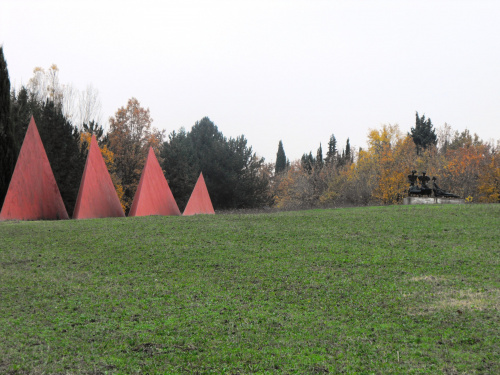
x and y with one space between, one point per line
400 289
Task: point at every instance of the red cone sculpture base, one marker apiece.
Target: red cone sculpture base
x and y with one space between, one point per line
97 195
153 195
199 202
33 193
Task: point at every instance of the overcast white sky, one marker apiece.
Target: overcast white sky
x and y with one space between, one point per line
292 70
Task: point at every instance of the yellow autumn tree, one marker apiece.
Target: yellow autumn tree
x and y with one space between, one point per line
387 162
489 180
431 161
294 188
381 144
463 167
396 161
353 183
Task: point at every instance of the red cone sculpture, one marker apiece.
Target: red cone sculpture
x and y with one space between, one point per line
153 195
97 195
33 193
199 202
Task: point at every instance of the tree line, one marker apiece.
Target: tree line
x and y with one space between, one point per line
235 176
463 163
233 173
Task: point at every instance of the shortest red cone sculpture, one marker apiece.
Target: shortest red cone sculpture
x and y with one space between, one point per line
97 195
199 202
33 193
153 195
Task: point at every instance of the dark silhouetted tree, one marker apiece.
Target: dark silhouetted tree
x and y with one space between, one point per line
319 157
307 162
232 171
346 157
61 141
180 165
348 154
423 134
281 162
60 138
8 144
331 153
23 106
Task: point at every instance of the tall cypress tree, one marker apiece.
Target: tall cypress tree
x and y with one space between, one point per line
319 157
348 156
8 147
280 159
331 153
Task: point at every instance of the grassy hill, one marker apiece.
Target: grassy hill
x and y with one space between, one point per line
400 289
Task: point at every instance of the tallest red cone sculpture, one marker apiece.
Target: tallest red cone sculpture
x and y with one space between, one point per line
33 193
97 195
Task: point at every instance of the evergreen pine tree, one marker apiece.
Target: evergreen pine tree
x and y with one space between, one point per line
346 157
319 157
229 166
23 106
60 139
423 133
181 165
348 151
307 161
8 145
281 162
331 154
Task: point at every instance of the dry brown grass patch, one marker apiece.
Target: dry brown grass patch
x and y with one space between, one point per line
468 299
444 296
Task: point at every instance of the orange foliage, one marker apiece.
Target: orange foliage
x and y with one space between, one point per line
386 163
468 167
293 188
463 167
130 137
395 162
489 181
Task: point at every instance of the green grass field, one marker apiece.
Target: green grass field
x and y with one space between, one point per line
400 289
